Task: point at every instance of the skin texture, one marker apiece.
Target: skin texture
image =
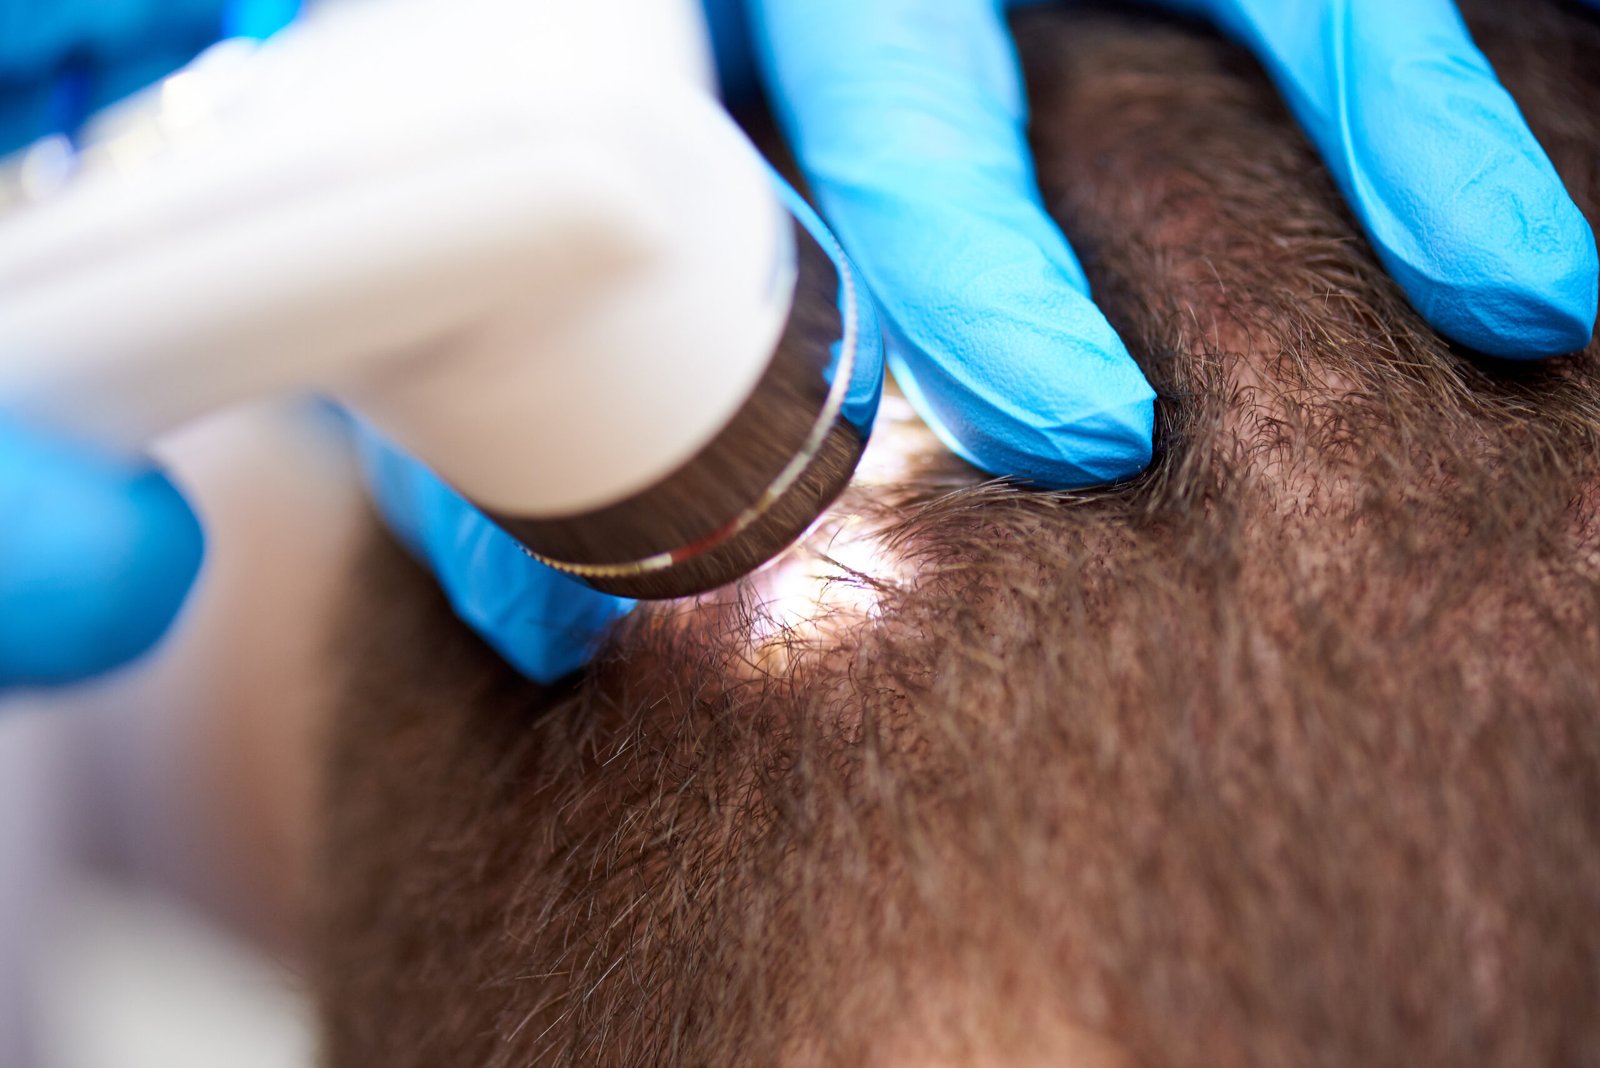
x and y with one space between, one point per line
1286 754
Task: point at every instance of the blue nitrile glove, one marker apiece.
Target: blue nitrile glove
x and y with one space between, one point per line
909 118
1460 202
95 559
60 60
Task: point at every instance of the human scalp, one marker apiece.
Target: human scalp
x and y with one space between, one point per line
1287 753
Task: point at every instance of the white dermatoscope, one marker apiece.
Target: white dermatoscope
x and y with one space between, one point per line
521 239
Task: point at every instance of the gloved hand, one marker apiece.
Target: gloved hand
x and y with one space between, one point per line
908 119
1460 202
99 558
95 559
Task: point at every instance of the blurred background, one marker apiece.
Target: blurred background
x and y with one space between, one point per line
156 826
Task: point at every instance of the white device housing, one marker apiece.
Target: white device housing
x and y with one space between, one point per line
521 238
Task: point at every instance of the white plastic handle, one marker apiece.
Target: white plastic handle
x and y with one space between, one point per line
521 237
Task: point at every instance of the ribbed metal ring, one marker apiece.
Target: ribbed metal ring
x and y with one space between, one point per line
764 479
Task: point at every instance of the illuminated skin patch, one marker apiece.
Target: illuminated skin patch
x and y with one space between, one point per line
834 578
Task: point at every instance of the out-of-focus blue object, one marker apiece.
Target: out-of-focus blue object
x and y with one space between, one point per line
95 557
95 560
258 18
62 60
544 623
730 41
1460 202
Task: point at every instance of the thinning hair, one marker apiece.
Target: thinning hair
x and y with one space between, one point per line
1287 753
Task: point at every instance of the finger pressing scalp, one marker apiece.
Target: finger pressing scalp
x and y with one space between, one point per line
908 120
1455 195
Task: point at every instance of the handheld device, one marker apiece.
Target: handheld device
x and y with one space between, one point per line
522 240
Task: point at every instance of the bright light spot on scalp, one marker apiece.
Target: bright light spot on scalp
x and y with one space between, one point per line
828 585
835 579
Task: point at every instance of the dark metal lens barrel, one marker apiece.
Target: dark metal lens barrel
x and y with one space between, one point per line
766 477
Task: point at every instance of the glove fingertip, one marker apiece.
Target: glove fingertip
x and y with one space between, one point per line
1463 205
1106 439
103 568
1544 306
1024 378
1510 271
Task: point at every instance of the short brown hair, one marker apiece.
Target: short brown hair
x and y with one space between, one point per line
1287 754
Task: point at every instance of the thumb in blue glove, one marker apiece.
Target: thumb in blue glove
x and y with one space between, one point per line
909 119
97 556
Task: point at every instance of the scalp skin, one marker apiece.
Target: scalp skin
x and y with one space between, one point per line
1287 754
